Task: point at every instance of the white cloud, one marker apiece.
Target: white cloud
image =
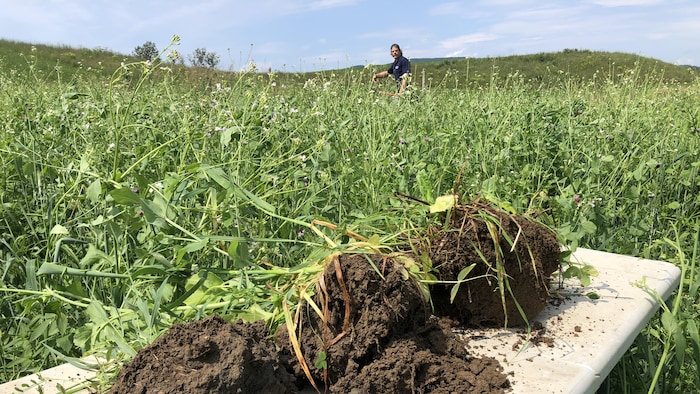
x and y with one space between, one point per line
656 36
458 43
506 3
448 9
323 4
625 3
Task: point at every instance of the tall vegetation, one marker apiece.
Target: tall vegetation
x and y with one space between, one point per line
136 200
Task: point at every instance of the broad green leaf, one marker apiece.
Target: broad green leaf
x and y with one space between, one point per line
64 343
239 253
423 183
593 295
444 203
161 259
84 165
200 295
122 344
257 201
670 324
59 230
153 212
589 270
218 175
94 191
40 330
588 227
76 289
453 292
584 278
142 182
464 272
125 196
638 174
232 248
195 246
97 221
94 256
674 205
255 313
97 313
81 338
225 138
320 362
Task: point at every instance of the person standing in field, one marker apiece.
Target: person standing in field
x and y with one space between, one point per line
400 69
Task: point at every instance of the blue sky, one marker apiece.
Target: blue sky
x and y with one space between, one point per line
308 35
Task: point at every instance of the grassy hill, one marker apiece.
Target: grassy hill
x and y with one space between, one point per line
540 69
548 68
47 60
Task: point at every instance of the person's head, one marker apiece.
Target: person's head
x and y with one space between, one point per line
396 51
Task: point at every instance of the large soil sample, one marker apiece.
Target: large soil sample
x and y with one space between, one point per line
378 336
514 259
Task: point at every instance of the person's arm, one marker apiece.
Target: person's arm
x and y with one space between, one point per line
404 81
381 74
405 72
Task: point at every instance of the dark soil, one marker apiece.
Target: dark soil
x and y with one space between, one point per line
378 333
207 356
388 346
485 300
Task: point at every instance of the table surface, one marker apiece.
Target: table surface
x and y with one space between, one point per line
574 345
571 348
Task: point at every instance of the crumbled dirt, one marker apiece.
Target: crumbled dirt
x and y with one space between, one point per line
537 337
431 362
377 333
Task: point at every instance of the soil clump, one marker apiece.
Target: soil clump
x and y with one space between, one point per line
207 356
386 341
513 256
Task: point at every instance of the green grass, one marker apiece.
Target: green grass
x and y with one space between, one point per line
49 60
139 197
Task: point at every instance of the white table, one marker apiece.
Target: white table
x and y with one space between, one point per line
59 379
583 338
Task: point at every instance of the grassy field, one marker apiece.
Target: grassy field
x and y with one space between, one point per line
143 196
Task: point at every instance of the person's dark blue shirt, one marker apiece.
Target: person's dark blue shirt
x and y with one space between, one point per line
400 67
